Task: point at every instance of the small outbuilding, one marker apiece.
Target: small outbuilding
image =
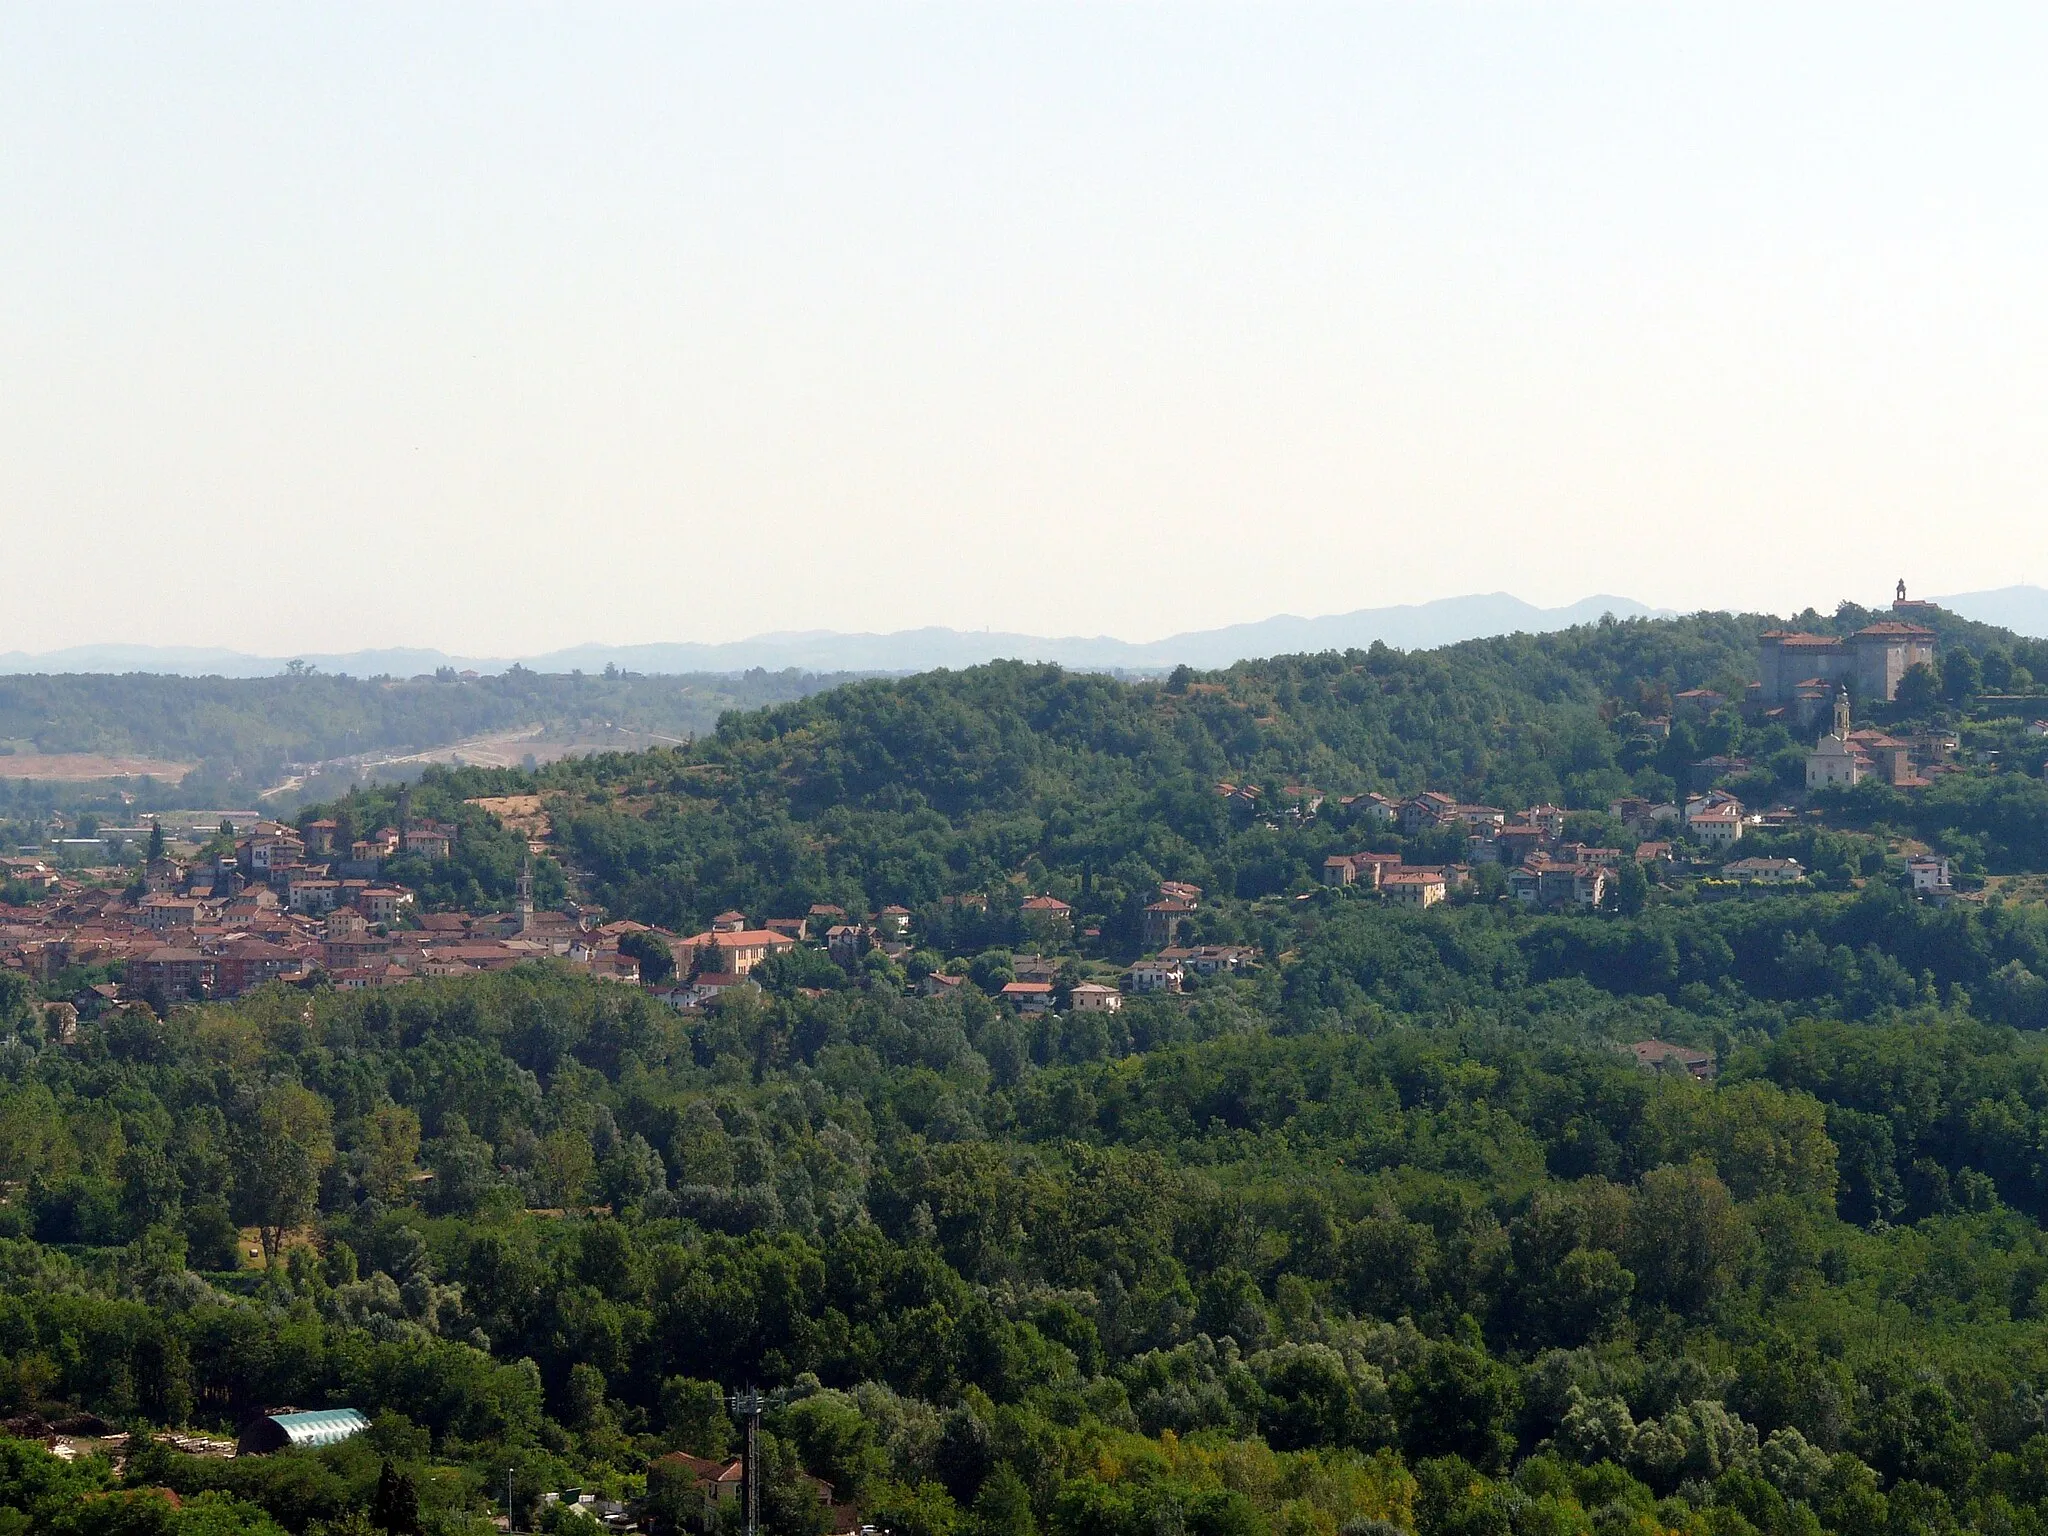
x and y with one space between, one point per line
289 1427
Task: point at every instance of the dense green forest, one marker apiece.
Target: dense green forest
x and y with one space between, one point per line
1389 1233
1383 1235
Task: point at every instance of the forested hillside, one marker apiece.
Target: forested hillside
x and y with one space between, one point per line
901 791
911 790
1386 1232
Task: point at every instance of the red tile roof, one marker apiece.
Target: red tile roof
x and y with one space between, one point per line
1799 637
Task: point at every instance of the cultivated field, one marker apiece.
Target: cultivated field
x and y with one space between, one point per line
79 766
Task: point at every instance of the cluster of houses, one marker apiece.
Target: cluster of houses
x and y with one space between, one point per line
1544 869
721 958
275 909
1547 871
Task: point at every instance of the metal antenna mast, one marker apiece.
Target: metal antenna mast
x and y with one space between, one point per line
747 1405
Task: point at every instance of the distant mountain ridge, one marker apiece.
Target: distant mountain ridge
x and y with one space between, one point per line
1408 626
2021 609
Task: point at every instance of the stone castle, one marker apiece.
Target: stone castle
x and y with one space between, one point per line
1800 674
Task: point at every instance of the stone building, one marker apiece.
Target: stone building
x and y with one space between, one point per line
1803 672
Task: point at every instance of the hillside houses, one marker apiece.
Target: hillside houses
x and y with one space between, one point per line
1545 870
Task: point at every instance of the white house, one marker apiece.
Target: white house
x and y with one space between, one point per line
1930 875
1375 808
1154 976
1764 871
1719 827
1028 996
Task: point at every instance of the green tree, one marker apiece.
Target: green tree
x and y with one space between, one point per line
694 1416
1631 888
1961 676
1998 668
395 1503
991 970
562 1169
631 1172
1919 692
703 1151
1003 1507
657 960
389 1146
1458 1402
1685 1238
211 1238
280 1150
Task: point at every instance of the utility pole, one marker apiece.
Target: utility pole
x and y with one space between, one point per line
511 1515
747 1406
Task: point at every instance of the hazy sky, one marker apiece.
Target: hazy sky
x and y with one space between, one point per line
500 327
